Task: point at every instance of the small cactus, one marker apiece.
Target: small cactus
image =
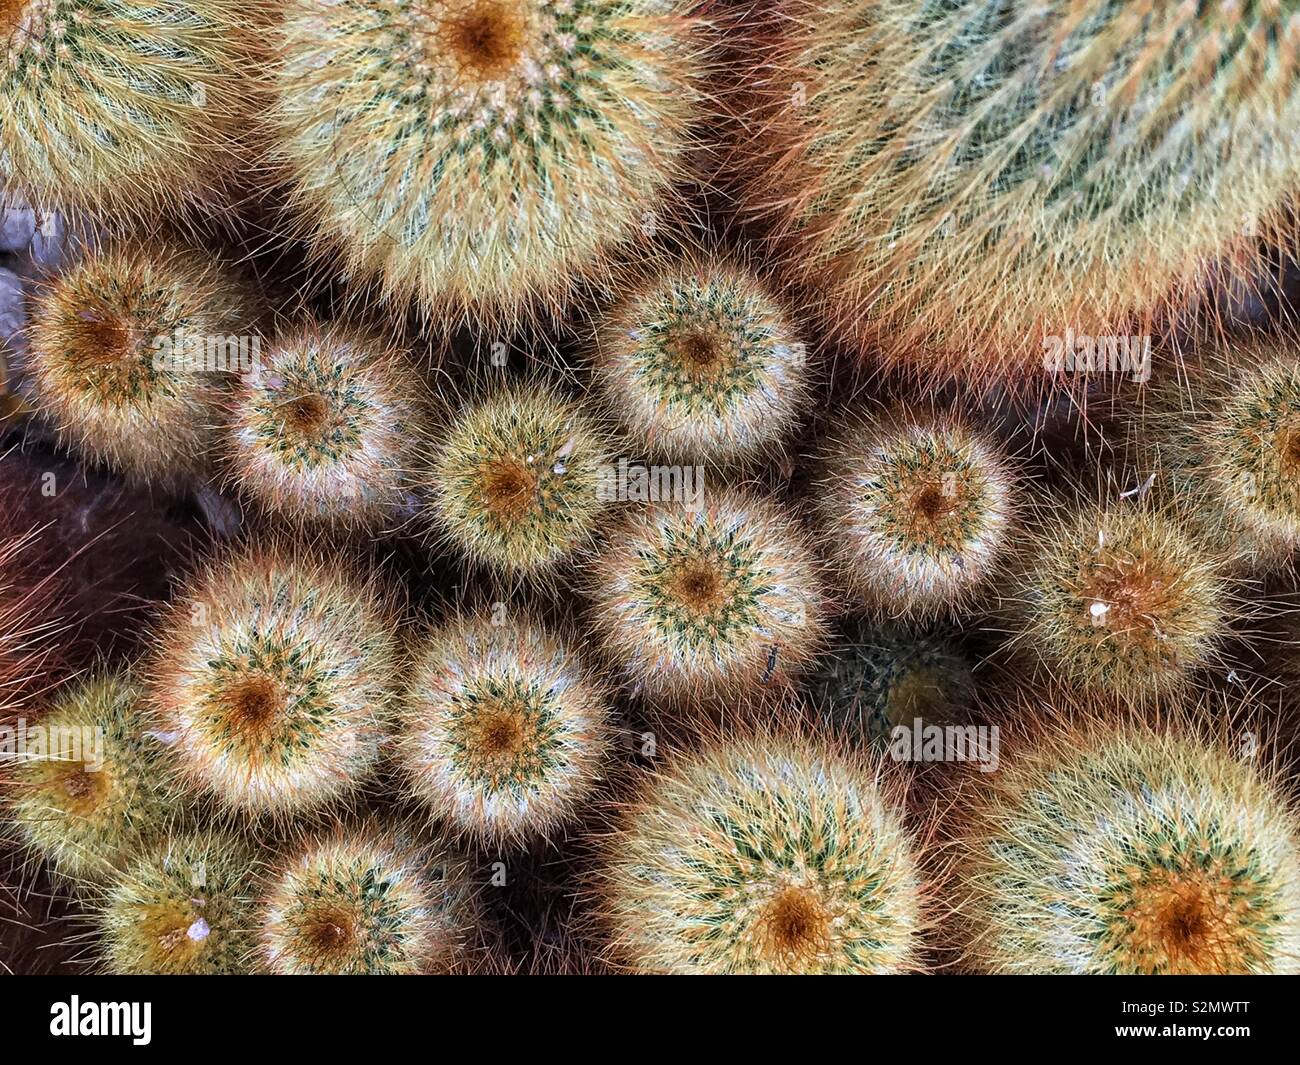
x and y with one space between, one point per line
1122 601
503 731
274 681
186 907
480 155
918 512
119 357
516 484
1228 451
99 792
721 602
325 430
701 364
886 678
366 902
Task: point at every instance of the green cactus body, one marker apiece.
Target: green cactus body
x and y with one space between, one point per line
719 601
1123 601
886 679
276 676
326 429
517 483
1228 454
118 354
918 512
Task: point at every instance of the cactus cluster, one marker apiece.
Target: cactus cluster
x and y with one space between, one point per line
566 468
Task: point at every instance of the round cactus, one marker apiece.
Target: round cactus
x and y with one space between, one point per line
184 908
701 364
503 731
366 902
764 855
119 354
98 792
274 681
325 429
969 183
918 512
120 107
887 678
1122 601
1108 850
1229 451
720 602
479 155
518 482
